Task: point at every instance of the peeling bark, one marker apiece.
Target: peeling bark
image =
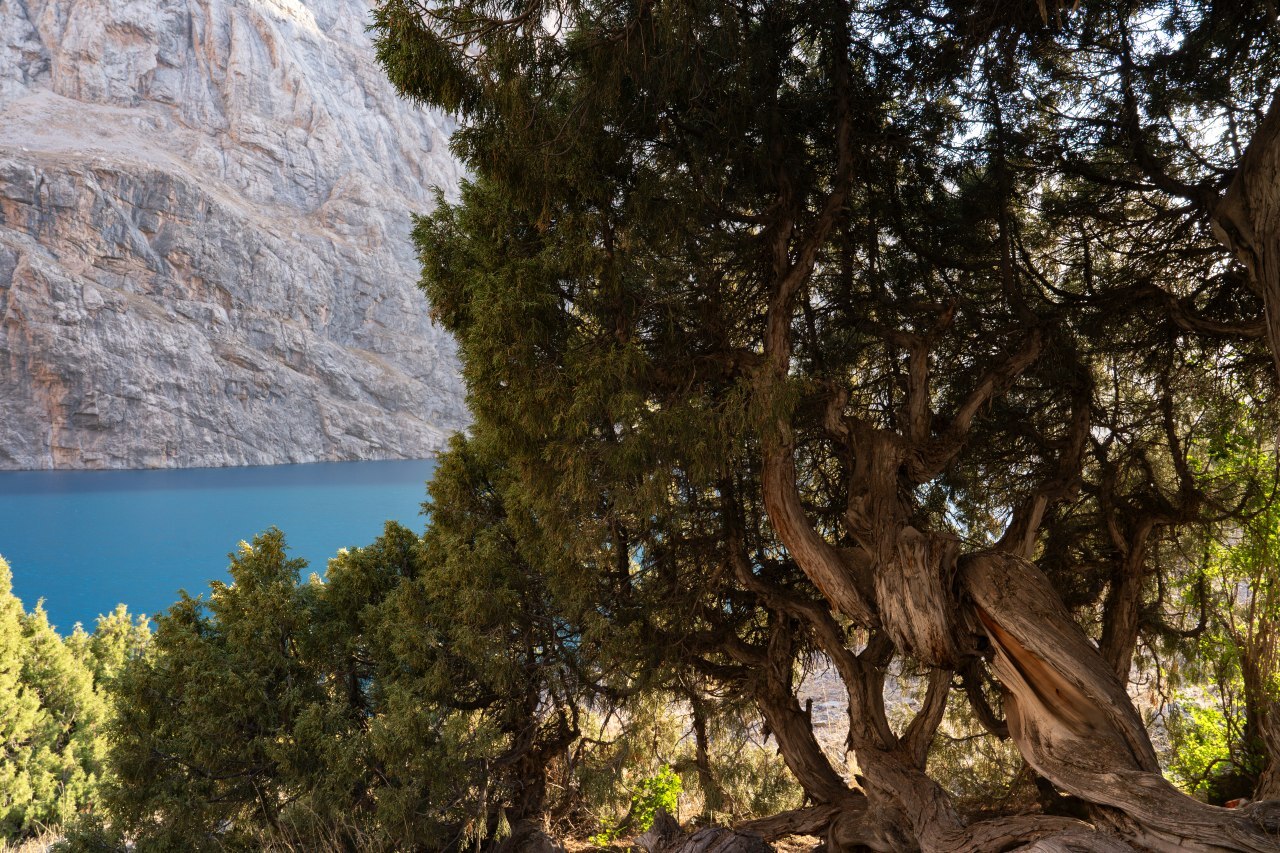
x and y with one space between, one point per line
1073 722
1269 782
715 839
1082 841
1041 833
914 597
1261 711
1057 680
813 820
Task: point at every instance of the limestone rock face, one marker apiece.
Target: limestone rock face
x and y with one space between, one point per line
204 239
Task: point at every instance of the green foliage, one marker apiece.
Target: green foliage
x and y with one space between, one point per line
635 742
21 718
254 719
423 696
1199 735
235 665
749 777
645 756
54 712
411 700
1225 679
660 791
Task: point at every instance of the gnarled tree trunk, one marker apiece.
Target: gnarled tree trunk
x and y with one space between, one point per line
1247 219
1066 706
1072 720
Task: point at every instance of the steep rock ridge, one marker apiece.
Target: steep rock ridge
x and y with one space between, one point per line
204 253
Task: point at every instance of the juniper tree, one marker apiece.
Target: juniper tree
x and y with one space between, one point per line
21 718
479 638
414 699
872 331
54 712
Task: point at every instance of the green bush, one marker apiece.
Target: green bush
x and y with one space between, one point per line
658 792
258 719
1198 733
54 712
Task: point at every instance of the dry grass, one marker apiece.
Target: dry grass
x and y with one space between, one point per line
790 844
796 844
40 844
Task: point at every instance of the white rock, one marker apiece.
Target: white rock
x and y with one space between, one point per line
154 154
92 298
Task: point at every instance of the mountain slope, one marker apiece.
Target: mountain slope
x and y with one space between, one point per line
204 255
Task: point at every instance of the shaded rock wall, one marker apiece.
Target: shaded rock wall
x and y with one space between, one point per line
204 253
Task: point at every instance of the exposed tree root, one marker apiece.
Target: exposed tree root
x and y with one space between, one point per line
813 820
1077 841
718 839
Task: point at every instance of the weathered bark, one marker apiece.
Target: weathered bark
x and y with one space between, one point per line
914 598
1047 663
1077 841
527 836
1262 712
1268 787
906 808
1073 722
887 830
880 826
717 839
812 820
1247 219
914 569
1122 608
1068 711
666 836
663 832
1036 832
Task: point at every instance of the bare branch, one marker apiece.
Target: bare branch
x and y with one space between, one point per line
931 459
920 731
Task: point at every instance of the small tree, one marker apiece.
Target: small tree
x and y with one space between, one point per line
22 721
205 723
1225 725
412 700
54 713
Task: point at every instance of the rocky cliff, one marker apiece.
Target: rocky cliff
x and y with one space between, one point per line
204 254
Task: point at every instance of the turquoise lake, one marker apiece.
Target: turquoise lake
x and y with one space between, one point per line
87 540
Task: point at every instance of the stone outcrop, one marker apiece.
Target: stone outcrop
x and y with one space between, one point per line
204 250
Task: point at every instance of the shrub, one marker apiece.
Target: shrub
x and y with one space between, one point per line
53 712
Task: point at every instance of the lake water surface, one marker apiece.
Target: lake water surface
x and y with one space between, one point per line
87 540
